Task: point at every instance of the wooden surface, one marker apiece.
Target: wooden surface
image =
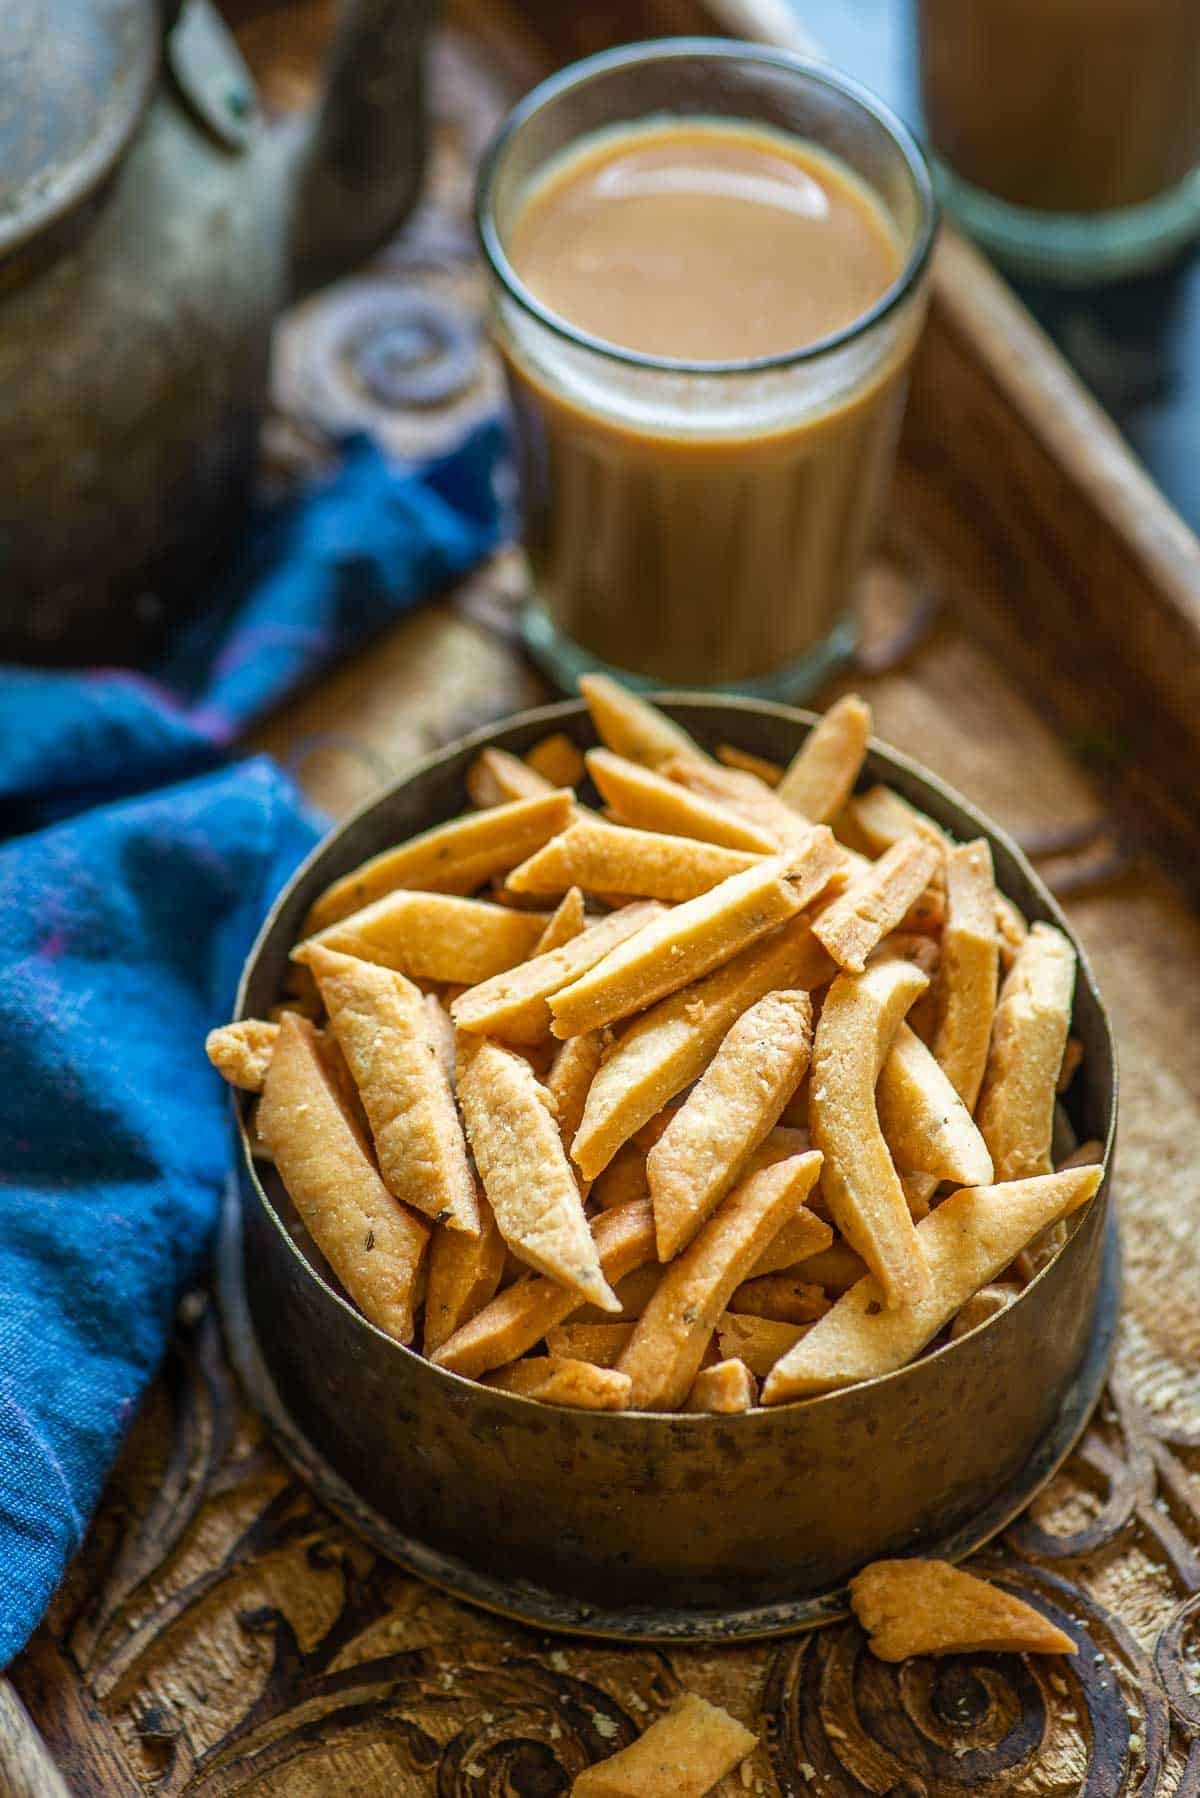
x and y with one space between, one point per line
221 1634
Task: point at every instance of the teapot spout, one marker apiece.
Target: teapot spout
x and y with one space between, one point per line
360 171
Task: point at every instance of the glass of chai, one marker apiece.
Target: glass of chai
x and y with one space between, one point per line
1067 132
707 269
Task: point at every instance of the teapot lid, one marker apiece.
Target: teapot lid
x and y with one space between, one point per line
75 79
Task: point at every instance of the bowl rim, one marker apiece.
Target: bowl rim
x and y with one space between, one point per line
561 711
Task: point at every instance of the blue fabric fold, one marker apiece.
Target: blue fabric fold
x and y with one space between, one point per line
125 913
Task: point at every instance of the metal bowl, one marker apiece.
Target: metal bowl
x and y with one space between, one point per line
641 1526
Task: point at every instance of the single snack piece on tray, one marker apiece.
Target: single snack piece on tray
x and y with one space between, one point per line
971 1237
382 1026
821 775
374 1244
525 1171
729 1111
929 1607
860 1016
682 1755
702 1123
451 858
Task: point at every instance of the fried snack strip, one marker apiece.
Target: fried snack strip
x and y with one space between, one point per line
667 1049
441 1034
733 1105
632 726
515 1005
381 1023
374 1244
434 936
724 1389
601 1344
925 1124
557 1380
525 1171
241 1053
758 1341
987 1303
615 858
623 1179
860 1016
570 1077
854 924
836 1268
780 1297
451 858
520 1316
567 923
966 1242
644 798
1029 1035
497 778
929 1607
668 1345
557 759
635 1292
683 1754
965 993
821 775
730 756
743 794
694 938
464 1274
802 1237
882 818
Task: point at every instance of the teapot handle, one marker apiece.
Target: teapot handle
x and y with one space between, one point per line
361 166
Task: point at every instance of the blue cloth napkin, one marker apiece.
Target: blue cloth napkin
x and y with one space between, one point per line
125 913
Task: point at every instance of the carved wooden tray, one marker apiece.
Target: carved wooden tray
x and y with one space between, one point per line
220 1633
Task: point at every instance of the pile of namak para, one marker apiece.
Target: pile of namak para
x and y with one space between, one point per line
738 1090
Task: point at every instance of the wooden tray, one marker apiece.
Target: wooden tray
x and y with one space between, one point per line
220 1633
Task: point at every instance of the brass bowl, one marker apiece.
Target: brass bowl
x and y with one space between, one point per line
642 1526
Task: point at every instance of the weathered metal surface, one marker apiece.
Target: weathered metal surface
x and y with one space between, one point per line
134 353
662 1526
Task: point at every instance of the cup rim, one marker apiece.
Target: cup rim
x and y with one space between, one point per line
579 74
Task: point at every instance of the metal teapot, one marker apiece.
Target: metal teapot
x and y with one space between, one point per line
151 225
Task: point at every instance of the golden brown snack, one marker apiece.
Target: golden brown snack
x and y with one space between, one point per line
464 1275
374 1244
925 1124
854 924
569 1080
568 922
859 1018
520 1316
966 1242
515 1005
557 1380
623 1180
1072 1061
381 1023
758 1341
730 756
602 1344
929 1607
241 1052
836 1268
737 1100
987 1303
802 1237
821 775
632 726
780 1297
616 858
497 778
451 858
745 795
1029 1034
693 939
558 759
635 1292
965 993
1011 929
682 1755
881 818
525 1172
662 1052
648 800
434 936
667 1348
441 1033
724 1389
